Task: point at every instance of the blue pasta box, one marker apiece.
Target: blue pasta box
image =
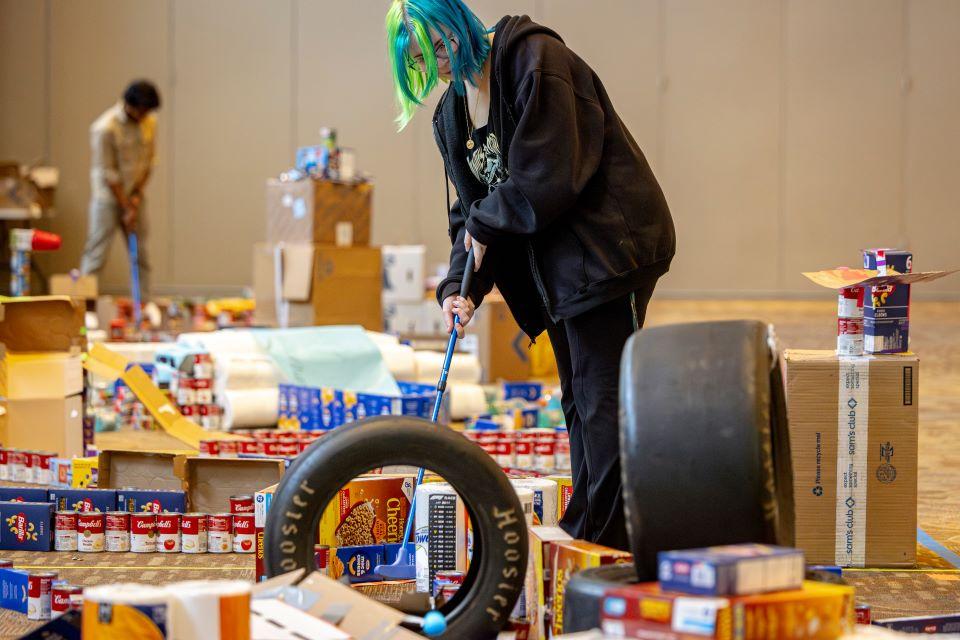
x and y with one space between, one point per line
27 526
61 472
525 390
13 590
416 388
372 404
886 310
331 409
357 563
283 406
349 403
24 494
84 499
731 570
151 500
303 413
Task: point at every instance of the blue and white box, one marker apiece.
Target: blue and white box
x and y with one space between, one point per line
886 308
13 589
731 570
27 526
525 390
84 499
24 494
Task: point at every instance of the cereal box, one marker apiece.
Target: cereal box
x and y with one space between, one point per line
26 526
564 493
736 569
538 584
83 472
645 611
261 506
569 557
369 510
357 563
151 500
84 499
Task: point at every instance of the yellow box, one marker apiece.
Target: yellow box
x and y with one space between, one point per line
40 375
84 471
564 492
370 510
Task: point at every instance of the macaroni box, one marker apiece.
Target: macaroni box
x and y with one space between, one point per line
737 569
369 510
84 499
357 563
26 526
24 494
151 500
13 590
569 557
886 311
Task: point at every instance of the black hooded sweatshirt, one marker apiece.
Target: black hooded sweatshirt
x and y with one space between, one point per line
581 219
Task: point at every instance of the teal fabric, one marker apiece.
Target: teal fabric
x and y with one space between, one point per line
342 357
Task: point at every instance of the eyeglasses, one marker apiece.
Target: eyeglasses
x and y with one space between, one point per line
440 51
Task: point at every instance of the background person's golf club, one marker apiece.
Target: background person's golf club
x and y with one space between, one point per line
402 568
134 251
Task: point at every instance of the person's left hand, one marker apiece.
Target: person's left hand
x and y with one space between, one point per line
478 250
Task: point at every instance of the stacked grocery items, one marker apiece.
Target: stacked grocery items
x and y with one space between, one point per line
45 468
322 409
191 385
37 594
271 443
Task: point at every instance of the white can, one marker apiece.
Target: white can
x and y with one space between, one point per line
143 533
65 531
193 533
4 464
220 533
118 531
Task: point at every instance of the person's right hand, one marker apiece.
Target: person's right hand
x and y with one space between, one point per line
130 214
461 307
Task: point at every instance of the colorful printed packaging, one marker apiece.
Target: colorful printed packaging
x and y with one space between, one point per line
564 493
13 590
83 472
645 611
886 308
731 570
23 494
84 499
357 563
261 506
151 500
61 472
569 557
27 526
369 510
530 391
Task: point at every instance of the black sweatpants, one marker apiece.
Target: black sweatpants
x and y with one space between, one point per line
588 349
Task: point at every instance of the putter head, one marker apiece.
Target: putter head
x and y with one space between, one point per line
403 567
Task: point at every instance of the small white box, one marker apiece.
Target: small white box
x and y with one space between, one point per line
403 318
404 268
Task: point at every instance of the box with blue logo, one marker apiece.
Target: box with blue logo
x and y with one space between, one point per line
24 494
84 499
886 310
283 406
27 526
356 563
151 500
13 590
731 570
524 390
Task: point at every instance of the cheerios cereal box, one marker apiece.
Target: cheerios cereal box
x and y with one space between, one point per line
369 510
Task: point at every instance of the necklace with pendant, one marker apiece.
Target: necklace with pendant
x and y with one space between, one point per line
469 122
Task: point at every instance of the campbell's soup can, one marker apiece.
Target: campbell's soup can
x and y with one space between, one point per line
188 410
244 533
488 439
862 612
40 464
202 366
203 392
561 449
220 533
321 558
249 446
168 532
229 448
4 468
505 448
241 504
210 448
117 531
15 466
90 531
39 586
193 533
850 336
445 577
544 449
6 564
186 392
289 449
27 472
60 598
65 531
143 532
270 447
523 446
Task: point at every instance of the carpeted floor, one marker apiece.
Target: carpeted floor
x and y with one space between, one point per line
934 587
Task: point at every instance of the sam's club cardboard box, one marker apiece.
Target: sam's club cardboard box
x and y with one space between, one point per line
853 440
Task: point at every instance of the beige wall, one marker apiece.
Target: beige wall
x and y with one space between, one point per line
787 134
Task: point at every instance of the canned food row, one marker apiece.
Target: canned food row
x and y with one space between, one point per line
31 467
544 450
285 444
121 531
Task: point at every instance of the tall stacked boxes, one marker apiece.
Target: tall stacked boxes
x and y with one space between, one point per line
405 311
853 439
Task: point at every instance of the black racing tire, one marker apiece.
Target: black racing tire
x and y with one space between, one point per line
583 595
495 578
699 405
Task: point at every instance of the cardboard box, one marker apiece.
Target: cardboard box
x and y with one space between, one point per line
569 557
139 470
13 590
43 323
84 472
83 287
27 526
61 472
84 499
24 494
209 482
151 501
645 611
853 439
505 351
278 620
53 424
310 211
407 318
564 493
737 569
381 504
404 269
538 583
35 375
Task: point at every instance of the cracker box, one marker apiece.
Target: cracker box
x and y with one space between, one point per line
24 494
369 510
151 500
569 557
83 472
13 590
564 493
646 611
61 472
886 311
737 569
84 499
357 563
26 526
537 583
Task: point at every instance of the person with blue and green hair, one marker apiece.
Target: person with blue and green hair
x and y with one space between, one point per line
558 205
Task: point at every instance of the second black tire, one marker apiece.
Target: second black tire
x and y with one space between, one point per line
584 594
701 415
495 578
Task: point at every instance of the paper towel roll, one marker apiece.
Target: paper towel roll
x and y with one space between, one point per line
400 360
135 611
247 408
465 367
210 610
439 511
466 400
526 502
382 339
544 498
237 372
